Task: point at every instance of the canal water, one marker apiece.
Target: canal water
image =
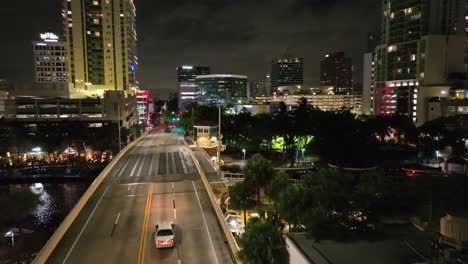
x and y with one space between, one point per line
57 199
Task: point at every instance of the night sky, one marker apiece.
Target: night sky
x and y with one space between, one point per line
230 36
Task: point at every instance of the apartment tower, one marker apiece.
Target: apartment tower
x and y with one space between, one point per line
101 37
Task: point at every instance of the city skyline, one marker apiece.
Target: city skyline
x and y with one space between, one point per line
167 39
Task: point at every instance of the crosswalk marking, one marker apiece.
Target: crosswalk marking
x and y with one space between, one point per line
173 162
141 166
182 160
123 168
134 167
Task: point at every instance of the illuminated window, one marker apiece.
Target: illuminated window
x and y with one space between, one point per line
392 48
95 2
69 12
88 32
413 57
97 33
421 75
96 21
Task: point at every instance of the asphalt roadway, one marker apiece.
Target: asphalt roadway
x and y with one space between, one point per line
154 182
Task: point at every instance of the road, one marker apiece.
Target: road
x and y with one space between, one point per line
154 182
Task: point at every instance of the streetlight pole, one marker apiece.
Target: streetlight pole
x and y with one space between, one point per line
120 140
243 151
303 157
219 142
437 158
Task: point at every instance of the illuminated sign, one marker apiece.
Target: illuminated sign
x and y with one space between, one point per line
49 37
187 67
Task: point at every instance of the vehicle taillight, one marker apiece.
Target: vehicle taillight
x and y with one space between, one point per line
158 242
171 241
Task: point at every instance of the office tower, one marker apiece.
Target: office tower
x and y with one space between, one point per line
422 49
143 106
222 88
260 88
368 85
336 72
186 84
101 37
50 60
187 73
286 72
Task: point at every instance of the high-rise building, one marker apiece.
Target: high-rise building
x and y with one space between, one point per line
222 89
336 71
368 85
188 73
286 71
186 83
101 37
422 49
50 59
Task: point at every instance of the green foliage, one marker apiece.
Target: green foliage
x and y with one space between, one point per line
258 172
277 185
17 206
241 197
263 243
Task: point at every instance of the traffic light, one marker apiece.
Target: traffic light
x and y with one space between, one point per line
172 112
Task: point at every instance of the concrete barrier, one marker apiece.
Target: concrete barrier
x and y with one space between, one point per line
230 238
53 241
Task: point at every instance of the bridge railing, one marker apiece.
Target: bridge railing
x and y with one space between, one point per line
234 249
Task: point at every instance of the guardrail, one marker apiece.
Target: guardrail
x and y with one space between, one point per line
233 176
230 238
53 241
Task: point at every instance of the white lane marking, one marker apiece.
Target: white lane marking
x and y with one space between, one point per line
151 164
156 168
172 183
117 219
167 163
182 160
206 225
134 167
175 215
129 187
415 251
84 226
124 167
141 166
173 163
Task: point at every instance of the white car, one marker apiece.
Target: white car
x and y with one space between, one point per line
164 235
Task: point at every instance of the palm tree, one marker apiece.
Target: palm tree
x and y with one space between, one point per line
258 172
263 243
241 197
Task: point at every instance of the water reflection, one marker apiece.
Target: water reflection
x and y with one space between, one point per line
57 200
45 211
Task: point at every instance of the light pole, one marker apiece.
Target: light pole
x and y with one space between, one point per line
437 158
118 113
243 151
219 142
303 157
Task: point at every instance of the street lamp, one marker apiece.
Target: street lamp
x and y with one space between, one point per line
243 151
303 157
437 158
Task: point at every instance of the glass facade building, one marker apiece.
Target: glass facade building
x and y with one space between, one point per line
336 71
286 71
222 88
